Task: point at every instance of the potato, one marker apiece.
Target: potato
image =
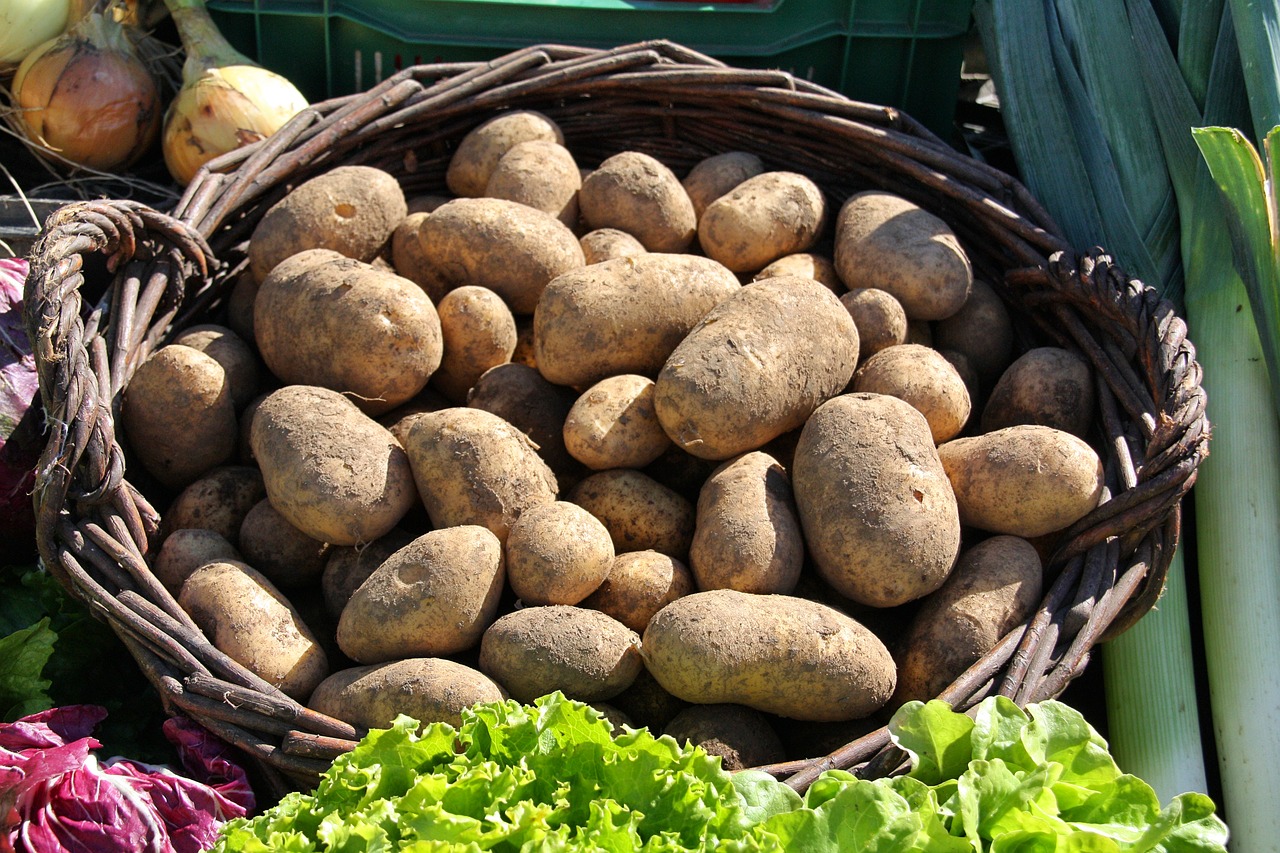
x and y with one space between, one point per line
178 416
755 367
994 588
740 736
519 394
472 467
410 260
348 566
775 653
331 470
805 265
480 150
639 584
647 703
624 315
542 174
510 248
247 619
557 553
716 175
351 210
240 305
283 553
218 501
879 317
431 690
326 320
761 219
982 329
1049 386
878 513
237 358
435 596
603 244
427 202
583 653
613 424
636 193
748 535
186 550
640 513
1026 480
885 241
479 332
922 377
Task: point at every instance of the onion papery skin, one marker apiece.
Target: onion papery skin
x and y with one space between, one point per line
222 109
88 99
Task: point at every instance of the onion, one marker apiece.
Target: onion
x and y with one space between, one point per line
226 101
27 24
87 97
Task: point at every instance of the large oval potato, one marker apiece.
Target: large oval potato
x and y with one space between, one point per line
1026 480
775 653
435 596
583 653
247 618
613 424
323 319
755 367
922 377
878 513
472 467
762 219
431 690
508 247
624 315
748 535
478 153
331 470
639 512
636 193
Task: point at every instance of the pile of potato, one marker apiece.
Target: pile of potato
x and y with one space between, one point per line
707 451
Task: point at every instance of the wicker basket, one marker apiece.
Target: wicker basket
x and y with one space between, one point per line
111 280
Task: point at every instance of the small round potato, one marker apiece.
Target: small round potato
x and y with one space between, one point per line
740 736
519 394
557 553
885 241
640 583
218 501
178 415
542 174
431 690
479 332
614 425
478 153
922 377
716 175
351 210
982 329
1049 386
237 358
288 557
247 619
349 566
186 550
761 219
583 653
748 535
806 265
1027 480
603 244
775 653
331 470
636 193
435 596
879 317
640 513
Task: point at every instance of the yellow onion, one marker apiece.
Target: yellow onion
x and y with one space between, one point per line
27 24
226 101
87 97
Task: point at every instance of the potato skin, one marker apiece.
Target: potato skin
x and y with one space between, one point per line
755 367
879 317
349 566
624 315
351 210
217 501
478 153
922 377
716 175
435 596
410 260
614 425
887 242
982 329
369 332
237 358
762 219
332 471
583 653
284 554
186 550
878 513
247 618
639 584
995 587
603 244
1026 480
775 653
639 512
742 737
637 193
748 535
520 395
479 333
806 265
431 690
542 174
1049 386
557 553
472 467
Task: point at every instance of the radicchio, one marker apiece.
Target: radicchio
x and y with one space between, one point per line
19 430
56 796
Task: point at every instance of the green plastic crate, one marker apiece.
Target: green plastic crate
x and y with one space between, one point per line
901 53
